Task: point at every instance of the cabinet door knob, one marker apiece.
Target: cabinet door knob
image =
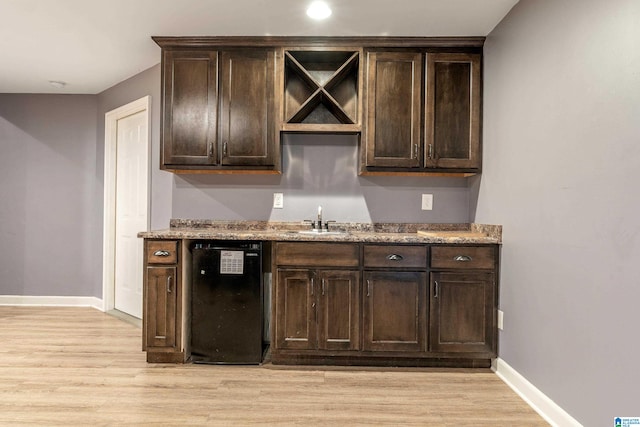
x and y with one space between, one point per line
395 257
462 258
161 253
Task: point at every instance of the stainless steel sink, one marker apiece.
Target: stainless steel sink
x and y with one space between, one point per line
319 232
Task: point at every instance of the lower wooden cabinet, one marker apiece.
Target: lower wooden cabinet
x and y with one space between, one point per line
161 299
406 305
317 309
162 309
394 311
462 312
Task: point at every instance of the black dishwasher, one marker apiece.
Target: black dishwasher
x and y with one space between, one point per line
226 303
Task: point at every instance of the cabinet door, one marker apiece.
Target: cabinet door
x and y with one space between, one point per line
463 312
452 134
394 87
189 108
161 303
295 310
247 122
339 310
394 311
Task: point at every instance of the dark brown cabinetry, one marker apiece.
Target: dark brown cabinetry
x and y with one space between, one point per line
444 96
394 311
463 300
162 316
395 305
316 308
394 94
219 110
453 103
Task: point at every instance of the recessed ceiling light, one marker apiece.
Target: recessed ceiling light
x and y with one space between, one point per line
57 84
319 10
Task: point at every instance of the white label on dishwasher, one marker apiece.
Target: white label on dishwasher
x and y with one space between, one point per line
231 262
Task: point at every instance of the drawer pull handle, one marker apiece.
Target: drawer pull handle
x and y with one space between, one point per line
395 257
435 289
161 253
462 258
168 284
368 288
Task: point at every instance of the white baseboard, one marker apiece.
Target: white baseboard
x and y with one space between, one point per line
547 408
51 301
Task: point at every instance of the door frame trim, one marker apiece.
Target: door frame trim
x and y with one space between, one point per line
109 225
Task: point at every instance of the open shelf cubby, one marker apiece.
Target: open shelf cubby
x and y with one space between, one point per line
322 88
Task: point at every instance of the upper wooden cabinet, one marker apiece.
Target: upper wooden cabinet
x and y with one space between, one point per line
394 89
452 122
219 110
415 101
403 95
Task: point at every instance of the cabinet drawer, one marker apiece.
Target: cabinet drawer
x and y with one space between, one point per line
317 254
162 251
463 257
395 256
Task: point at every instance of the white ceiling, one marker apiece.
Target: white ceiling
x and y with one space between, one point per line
93 44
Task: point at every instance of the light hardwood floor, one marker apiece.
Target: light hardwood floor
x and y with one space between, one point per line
79 366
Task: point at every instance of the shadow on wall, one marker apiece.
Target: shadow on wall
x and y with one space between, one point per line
319 170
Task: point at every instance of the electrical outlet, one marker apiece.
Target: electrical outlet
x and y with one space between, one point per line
500 320
427 202
278 200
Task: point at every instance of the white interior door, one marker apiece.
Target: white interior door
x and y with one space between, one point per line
131 207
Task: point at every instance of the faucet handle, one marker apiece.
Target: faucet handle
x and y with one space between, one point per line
326 224
308 221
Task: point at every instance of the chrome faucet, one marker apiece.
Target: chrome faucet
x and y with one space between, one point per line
317 225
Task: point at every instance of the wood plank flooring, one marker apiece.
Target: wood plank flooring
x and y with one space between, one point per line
79 366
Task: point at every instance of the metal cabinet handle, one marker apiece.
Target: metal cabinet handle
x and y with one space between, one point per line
435 289
224 149
312 286
462 258
211 149
323 286
168 284
395 257
368 287
431 151
161 253
416 150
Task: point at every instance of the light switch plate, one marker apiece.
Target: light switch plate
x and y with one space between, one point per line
278 200
427 202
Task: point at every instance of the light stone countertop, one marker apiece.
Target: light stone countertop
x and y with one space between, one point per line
401 233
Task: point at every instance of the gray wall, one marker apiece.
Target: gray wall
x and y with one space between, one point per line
320 170
562 155
51 196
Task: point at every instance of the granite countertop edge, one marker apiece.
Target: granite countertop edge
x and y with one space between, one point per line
353 232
